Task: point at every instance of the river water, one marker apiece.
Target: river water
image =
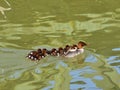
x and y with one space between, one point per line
27 25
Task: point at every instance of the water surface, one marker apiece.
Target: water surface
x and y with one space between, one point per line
41 23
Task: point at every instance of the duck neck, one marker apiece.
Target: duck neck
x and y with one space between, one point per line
80 46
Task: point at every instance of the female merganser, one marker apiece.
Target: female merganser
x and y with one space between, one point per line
68 51
75 49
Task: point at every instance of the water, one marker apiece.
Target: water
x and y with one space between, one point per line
29 25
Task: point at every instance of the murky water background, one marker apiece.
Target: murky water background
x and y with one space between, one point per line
32 24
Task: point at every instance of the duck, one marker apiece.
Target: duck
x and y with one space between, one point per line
75 49
67 51
53 52
37 55
60 51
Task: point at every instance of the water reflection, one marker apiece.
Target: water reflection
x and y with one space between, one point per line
57 73
2 9
54 24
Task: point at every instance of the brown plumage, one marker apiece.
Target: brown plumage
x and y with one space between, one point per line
41 53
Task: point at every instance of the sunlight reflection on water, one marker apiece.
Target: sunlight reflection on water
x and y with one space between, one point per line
47 24
78 76
116 49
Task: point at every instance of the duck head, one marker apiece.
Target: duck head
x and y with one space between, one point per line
81 44
67 47
39 50
60 51
54 52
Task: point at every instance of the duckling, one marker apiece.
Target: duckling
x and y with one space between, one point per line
39 50
68 51
44 52
67 47
60 51
37 55
31 53
53 52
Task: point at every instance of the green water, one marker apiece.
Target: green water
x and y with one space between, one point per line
32 24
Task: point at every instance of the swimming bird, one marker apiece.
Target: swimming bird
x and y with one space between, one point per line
68 51
76 49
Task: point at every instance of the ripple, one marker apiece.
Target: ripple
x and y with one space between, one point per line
116 49
6 44
98 77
